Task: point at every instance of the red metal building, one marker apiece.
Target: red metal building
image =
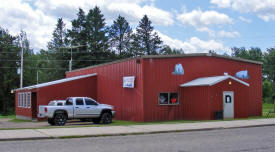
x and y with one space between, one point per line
155 88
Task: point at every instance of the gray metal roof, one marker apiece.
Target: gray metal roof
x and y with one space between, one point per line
55 82
209 81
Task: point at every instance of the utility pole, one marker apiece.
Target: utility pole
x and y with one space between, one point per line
71 61
71 47
21 68
37 76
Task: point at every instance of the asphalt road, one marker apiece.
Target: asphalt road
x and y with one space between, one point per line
258 139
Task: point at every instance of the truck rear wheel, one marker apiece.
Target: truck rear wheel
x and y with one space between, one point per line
60 119
51 121
106 118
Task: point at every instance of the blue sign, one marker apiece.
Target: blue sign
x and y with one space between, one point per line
242 74
178 70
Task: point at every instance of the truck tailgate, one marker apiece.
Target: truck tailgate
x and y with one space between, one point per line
41 112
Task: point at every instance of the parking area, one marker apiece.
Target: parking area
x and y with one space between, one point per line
6 123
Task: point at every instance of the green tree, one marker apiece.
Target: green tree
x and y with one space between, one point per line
9 63
120 34
267 91
269 65
254 53
97 31
58 54
167 50
146 40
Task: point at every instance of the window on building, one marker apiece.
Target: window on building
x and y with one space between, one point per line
23 101
79 102
90 101
29 100
26 100
168 98
18 100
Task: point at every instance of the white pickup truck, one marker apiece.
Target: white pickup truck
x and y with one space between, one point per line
82 108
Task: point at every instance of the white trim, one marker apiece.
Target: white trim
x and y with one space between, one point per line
55 82
210 81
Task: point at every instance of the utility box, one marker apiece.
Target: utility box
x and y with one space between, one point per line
219 115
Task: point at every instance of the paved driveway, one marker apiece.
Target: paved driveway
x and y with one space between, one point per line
5 123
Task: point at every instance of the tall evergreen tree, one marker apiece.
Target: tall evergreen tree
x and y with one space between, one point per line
78 35
59 55
97 31
120 34
59 36
9 63
147 40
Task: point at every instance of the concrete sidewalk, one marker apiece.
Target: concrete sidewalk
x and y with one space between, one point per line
28 134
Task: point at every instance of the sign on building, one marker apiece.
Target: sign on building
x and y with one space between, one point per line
129 82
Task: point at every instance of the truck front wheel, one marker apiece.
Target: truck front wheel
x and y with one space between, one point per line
60 119
106 118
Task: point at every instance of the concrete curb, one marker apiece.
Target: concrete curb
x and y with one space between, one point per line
132 133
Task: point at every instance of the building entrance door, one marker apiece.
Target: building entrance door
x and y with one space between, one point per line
228 104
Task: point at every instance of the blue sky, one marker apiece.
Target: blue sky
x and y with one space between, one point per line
194 25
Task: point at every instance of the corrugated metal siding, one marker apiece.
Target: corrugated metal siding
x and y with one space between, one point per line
196 103
128 102
158 78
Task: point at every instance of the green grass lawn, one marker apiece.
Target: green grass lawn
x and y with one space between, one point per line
266 108
7 117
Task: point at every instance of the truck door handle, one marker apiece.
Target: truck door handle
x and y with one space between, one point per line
76 107
87 107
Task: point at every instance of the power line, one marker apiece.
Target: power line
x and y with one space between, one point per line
56 60
33 68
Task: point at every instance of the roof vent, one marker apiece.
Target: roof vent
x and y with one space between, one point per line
225 73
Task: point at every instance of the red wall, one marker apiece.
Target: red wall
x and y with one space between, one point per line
85 87
241 98
196 103
128 102
82 87
201 103
158 78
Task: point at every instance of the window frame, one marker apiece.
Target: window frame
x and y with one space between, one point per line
69 100
169 95
83 103
29 101
91 100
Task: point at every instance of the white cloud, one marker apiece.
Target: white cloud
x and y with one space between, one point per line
264 9
194 44
221 3
17 15
198 18
203 20
132 9
228 34
38 17
136 12
245 19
